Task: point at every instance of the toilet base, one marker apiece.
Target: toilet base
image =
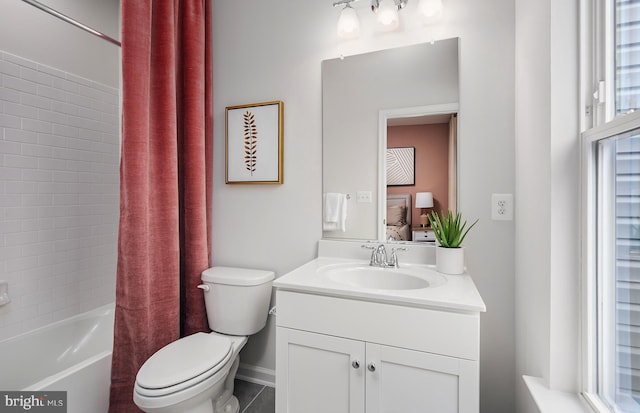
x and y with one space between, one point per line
232 406
227 402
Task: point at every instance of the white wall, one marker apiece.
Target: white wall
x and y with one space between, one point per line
35 35
272 50
547 182
59 159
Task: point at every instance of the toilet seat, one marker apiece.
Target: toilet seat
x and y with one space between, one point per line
183 364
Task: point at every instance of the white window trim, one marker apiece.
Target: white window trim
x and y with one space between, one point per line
598 122
589 252
596 60
588 274
598 82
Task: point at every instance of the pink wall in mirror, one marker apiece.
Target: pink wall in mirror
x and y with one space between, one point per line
431 143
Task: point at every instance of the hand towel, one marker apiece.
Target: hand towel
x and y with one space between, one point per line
334 212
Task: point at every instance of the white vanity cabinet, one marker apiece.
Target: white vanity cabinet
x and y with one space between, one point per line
338 354
315 373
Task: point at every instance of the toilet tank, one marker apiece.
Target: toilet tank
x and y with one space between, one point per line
237 299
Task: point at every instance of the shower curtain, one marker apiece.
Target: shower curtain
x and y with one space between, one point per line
165 182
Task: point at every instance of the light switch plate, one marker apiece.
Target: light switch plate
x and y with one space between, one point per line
364 197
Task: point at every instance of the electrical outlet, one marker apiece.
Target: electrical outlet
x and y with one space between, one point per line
502 207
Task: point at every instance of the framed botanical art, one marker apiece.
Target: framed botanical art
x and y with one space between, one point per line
401 166
254 142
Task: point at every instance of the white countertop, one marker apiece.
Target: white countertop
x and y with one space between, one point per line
456 293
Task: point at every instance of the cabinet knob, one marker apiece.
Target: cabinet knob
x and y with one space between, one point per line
371 367
355 364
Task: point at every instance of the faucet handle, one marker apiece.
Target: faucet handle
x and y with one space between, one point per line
373 253
394 256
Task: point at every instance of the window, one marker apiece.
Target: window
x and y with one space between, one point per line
611 210
621 164
627 56
617 272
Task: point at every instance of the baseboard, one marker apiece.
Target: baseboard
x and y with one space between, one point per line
256 374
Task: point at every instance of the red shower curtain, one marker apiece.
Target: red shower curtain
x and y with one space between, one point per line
165 182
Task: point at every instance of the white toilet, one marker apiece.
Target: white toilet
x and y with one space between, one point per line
195 374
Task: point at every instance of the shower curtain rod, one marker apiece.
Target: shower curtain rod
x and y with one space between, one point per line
68 19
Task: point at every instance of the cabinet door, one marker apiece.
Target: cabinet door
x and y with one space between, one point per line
410 381
315 373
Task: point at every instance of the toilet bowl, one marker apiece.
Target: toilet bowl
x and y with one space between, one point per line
195 374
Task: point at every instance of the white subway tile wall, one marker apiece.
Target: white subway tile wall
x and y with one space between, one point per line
59 193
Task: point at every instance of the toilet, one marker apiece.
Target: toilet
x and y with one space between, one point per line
195 374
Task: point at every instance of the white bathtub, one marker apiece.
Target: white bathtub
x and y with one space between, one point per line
73 355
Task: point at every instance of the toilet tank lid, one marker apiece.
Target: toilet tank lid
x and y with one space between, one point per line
236 276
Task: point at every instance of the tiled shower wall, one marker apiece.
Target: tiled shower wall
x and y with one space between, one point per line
59 160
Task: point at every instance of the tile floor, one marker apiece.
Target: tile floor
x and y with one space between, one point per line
255 398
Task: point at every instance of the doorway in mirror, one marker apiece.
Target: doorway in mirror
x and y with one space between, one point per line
432 133
431 138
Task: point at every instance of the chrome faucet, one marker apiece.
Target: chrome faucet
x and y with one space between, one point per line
394 256
379 256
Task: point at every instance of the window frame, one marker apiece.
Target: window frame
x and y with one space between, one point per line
598 58
598 123
594 211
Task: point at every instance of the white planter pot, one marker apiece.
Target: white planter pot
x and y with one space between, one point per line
450 260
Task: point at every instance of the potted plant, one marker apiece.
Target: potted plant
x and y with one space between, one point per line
450 230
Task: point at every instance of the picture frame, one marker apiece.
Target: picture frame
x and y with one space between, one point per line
400 164
254 141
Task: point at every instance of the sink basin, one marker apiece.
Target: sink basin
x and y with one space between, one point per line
364 276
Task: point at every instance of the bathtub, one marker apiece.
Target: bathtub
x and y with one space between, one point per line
73 355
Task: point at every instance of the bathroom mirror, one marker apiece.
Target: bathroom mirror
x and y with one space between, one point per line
406 97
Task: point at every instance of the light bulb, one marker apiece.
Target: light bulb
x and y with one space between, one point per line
388 14
348 23
430 9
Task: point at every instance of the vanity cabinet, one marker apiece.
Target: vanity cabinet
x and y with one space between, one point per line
317 373
346 355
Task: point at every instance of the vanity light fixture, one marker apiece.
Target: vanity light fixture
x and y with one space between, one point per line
348 23
386 12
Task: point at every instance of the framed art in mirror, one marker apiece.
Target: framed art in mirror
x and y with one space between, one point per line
254 143
401 166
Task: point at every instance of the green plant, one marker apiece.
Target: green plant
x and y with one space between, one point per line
449 229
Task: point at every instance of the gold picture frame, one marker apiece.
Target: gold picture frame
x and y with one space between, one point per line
254 141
